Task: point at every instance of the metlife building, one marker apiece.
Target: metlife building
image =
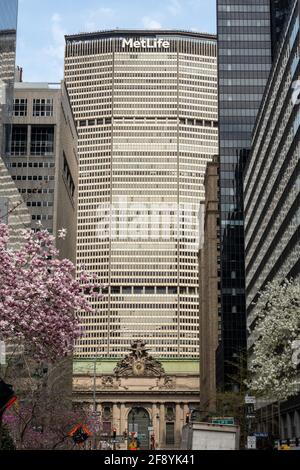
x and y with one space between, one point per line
146 109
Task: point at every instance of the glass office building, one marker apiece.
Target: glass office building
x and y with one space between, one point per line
146 109
249 32
8 31
280 10
9 195
9 14
272 195
244 48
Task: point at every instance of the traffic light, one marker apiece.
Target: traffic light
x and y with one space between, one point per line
187 418
7 396
114 433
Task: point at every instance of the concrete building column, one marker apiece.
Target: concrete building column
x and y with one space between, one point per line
185 411
116 418
178 423
289 426
28 140
123 421
297 422
99 417
162 426
155 422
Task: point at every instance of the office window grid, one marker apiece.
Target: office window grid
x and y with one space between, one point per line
20 107
43 107
244 44
146 131
273 251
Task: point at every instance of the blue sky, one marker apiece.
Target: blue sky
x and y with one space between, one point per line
43 23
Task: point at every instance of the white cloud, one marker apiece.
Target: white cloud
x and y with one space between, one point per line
150 23
56 49
56 18
99 19
174 7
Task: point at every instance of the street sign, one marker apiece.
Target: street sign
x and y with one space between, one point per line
80 434
223 421
250 410
250 400
260 434
251 442
118 440
150 428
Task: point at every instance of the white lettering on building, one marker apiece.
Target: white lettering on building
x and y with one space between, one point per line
146 44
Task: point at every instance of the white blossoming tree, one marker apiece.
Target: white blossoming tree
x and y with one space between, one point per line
274 369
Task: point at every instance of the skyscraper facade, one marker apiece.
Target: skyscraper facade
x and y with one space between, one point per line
244 49
8 35
146 109
272 193
10 198
280 10
209 290
42 158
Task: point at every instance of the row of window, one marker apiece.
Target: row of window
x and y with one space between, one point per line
152 290
31 165
36 191
240 8
39 204
41 140
32 178
42 217
120 124
241 22
42 107
68 177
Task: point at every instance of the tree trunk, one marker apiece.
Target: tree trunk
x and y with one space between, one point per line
1 429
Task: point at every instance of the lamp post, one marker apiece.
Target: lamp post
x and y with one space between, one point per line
94 387
95 413
158 430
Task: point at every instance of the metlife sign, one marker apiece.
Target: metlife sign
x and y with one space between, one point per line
145 44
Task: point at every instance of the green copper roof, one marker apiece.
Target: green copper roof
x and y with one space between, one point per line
106 366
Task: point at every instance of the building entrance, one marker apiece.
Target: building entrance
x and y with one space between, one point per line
139 423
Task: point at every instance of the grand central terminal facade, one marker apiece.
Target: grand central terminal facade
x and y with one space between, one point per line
139 396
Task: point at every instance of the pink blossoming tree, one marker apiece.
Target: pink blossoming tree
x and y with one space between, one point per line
30 432
40 301
40 297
